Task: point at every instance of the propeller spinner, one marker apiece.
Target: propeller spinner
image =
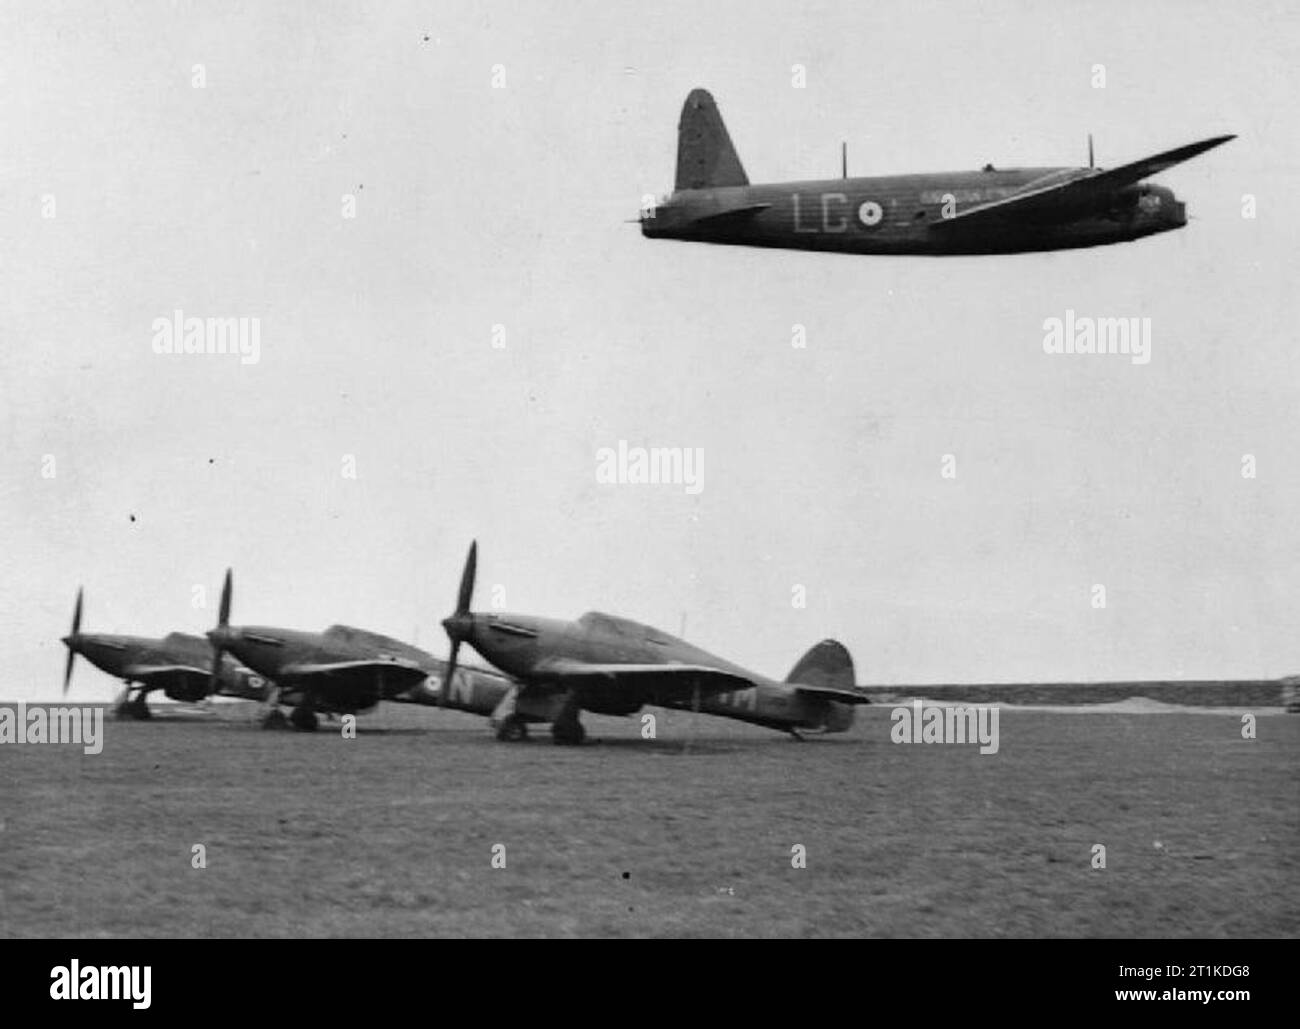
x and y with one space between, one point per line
459 625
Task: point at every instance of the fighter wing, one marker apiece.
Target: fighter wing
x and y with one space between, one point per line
159 677
837 694
1086 189
651 682
400 675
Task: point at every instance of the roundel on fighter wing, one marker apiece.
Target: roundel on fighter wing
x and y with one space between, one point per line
870 214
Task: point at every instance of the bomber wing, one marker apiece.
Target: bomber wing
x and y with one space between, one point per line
1088 188
662 682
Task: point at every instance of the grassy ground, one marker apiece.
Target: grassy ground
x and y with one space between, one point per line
392 833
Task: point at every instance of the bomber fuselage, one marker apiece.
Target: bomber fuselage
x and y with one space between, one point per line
903 214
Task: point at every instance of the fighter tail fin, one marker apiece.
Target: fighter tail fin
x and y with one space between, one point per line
826 664
705 156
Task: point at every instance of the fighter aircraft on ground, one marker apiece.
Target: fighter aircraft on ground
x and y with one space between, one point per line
993 211
345 670
614 666
178 664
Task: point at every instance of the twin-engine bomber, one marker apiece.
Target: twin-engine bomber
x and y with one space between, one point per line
992 211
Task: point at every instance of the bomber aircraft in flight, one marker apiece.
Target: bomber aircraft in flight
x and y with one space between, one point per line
178 664
991 211
613 666
345 670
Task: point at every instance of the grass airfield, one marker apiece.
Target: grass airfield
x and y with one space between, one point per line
392 833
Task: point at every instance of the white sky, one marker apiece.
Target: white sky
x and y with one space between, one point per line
481 206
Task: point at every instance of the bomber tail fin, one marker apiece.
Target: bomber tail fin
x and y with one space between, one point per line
705 156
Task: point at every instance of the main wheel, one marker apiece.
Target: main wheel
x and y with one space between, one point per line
274 719
512 729
139 709
570 735
304 720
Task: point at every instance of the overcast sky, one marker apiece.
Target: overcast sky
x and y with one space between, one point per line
479 206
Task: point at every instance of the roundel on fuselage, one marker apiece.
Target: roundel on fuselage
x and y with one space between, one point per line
870 213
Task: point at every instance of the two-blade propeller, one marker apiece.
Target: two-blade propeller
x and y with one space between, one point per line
218 638
71 641
461 623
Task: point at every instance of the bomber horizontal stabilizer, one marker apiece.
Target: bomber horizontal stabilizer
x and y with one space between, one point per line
1087 188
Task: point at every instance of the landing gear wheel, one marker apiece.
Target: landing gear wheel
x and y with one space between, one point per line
274 719
139 709
512 729
304 719
568 735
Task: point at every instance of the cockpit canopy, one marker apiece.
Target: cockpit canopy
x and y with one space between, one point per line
385 645
191 646
624 627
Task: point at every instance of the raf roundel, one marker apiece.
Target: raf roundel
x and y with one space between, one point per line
870 213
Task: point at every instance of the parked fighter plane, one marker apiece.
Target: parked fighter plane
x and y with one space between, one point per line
992 211
179 665
345 670
614 666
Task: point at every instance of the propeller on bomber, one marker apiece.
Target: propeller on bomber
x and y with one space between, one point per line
458 626
218 637
71 640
